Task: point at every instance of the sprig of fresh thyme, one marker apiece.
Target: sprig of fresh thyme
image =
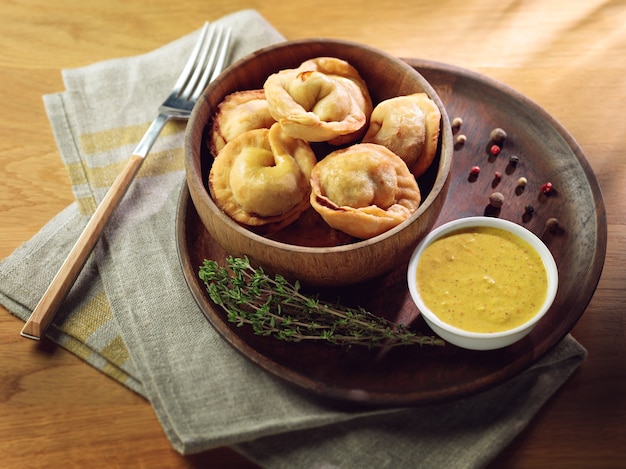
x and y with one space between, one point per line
275 307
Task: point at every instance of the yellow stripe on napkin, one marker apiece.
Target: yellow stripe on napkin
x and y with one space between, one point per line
94 358
99 177
110 139
103 176
94 314
116 351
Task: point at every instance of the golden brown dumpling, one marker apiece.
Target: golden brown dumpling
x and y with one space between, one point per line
238 112
364 190
351 79
408 126
324 99
261 178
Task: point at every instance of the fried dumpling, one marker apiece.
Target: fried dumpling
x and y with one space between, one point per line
364 190
261 178
408 126
324 99
238 112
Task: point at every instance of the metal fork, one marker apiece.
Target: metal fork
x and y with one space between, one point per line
205 63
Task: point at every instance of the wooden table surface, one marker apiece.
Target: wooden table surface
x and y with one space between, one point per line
569 57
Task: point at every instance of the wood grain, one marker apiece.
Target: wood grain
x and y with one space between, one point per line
56 411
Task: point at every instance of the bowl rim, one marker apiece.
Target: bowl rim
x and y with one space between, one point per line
446 152
507 225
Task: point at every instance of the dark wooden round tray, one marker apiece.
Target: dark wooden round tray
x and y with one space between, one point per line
414 375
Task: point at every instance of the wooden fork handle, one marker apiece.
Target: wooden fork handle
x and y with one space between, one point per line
66 276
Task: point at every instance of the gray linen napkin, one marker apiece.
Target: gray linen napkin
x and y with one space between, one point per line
131 315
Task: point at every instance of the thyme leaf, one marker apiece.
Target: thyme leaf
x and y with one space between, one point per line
272 306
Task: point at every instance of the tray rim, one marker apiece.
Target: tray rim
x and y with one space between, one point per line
380 398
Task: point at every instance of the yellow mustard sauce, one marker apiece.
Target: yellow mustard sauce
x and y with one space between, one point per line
482 279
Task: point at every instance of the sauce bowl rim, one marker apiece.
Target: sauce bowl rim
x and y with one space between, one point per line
477 221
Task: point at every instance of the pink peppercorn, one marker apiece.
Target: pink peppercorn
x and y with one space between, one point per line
475 170
547 188
495 149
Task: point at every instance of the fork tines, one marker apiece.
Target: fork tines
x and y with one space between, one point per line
207 61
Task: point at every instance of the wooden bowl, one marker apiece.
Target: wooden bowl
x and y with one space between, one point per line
386 77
